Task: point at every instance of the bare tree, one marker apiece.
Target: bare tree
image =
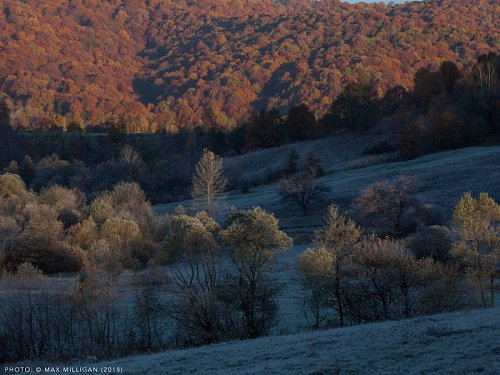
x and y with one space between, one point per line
208 181
128 154
385 204
302 189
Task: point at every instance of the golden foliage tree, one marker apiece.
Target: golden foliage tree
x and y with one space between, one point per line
476 221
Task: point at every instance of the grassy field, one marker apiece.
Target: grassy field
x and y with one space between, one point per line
462 343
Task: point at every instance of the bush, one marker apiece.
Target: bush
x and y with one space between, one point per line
124 237
423 215
11 185
66 202
130 199
49 257
387 205
433 242
42 243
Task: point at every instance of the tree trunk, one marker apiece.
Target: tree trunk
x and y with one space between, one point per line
338 296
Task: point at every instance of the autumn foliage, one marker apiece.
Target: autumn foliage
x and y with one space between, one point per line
167 65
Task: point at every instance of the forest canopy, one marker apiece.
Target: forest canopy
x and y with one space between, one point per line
164 65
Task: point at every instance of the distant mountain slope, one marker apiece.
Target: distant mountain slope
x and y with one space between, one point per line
457 343
171 64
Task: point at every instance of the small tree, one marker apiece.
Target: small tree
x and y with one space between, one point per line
96 299
314 164
389 282
337 238
476 222
252 238
315 272
291 166
208 181
301 189
11 184
196 276
433 242
385 204
148 317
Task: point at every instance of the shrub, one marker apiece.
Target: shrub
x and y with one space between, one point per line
11 185
66 202
386 205
433 242
49 257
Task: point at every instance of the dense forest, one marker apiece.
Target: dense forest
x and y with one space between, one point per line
164 65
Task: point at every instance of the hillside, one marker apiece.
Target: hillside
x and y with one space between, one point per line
457 343
164 64
444 177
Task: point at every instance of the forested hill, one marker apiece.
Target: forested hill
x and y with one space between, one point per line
174 63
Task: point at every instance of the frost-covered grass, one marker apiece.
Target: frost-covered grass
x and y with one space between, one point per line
457 343
444 178
335 152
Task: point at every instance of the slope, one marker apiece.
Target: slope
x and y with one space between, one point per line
164 64
444 177
456 343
